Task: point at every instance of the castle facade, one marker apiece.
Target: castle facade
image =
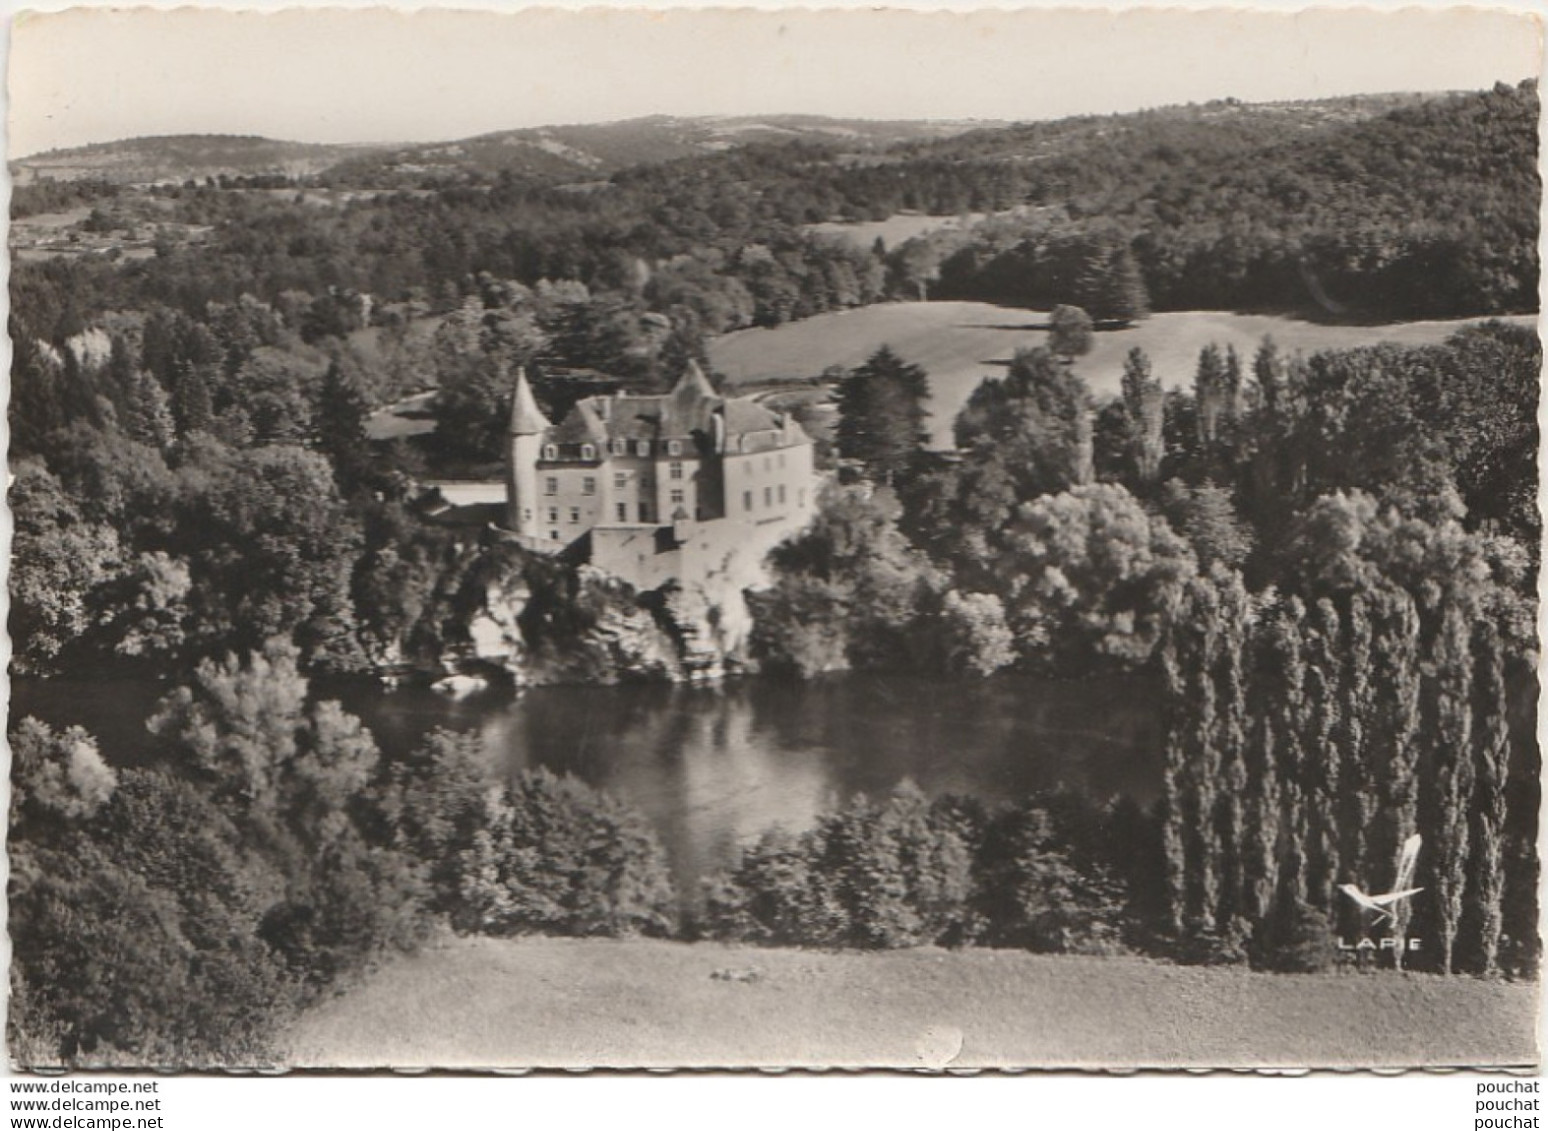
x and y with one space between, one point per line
646 476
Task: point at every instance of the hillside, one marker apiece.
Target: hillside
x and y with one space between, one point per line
961 343
478 1003
562 152
580 152
148 160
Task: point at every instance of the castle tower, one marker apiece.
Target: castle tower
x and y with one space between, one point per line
524 445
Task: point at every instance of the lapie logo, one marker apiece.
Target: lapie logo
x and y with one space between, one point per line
1381 906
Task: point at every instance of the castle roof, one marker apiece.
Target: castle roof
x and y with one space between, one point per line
526 418
689 410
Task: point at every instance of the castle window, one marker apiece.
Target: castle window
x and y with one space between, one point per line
747 501
553 535
768 496
623 512
574 515
621 480
588 451
644 512
674 448
677 495
676 471
620 447
551 485
589 485
781 494
642 448
550 451
553 514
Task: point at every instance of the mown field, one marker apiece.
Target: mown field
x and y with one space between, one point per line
961 343
894 230
564 1002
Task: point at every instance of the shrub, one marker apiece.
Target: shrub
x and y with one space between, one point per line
1302 945
553 855
1215 945
776 896
1040 890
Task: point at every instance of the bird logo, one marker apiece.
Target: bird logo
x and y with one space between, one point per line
1382 905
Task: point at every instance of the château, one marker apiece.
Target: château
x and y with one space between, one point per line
657 487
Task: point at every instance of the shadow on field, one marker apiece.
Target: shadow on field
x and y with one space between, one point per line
1024 327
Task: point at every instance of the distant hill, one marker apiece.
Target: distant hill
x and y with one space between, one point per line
1253 124
581 152
146 160
559 153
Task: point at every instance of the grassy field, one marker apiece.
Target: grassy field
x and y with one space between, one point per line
894 230
562 1002
961 343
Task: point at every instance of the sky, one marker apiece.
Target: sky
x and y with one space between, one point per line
379 75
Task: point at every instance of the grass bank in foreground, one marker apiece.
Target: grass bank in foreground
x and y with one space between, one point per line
478 1002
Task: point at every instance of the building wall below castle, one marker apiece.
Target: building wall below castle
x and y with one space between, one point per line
729 550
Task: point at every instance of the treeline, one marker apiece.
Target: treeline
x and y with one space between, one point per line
1309 739
1332 560
1424 212
182 913
1052 874
44 196
184 486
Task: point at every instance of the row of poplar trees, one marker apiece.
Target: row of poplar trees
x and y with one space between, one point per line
1307 740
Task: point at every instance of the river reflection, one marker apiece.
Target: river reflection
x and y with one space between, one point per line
712 768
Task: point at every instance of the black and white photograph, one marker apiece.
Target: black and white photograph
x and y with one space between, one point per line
773 539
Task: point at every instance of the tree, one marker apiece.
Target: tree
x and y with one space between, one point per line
1144 406
60 568
881 407
1491 736
1069 332
56 777
1033 427
1450 738
1088 576
848 591
1118 296
271 546
551 854
1205 516
339 423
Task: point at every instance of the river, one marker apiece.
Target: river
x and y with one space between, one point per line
713 767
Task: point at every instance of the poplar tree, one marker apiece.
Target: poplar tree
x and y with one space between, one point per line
1354 725
1205 750
1144 403
1491 740
1291 696
1232 721
1210 394
1388 776
1174 782
1451 738
1319 785
1261 851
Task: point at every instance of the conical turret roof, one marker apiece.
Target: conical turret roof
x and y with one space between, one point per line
526 418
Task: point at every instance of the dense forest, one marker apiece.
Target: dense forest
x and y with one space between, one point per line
1330 560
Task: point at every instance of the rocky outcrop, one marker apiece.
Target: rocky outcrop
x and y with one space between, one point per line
539 620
